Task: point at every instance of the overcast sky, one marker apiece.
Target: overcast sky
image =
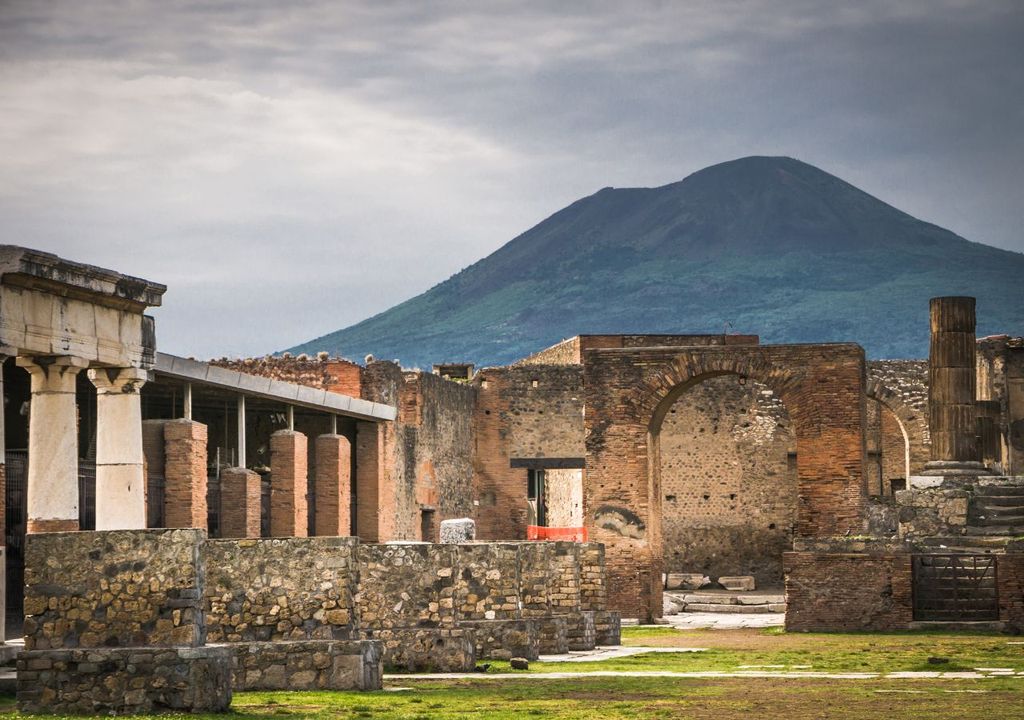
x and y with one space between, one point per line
288 169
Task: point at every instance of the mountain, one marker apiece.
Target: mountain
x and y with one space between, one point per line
764 245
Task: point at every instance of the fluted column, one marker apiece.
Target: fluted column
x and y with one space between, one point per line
120 476
951 388
52 444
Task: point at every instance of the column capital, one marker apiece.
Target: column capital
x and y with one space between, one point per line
52 373
118 381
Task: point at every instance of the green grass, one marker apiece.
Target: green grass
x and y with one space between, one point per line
819 652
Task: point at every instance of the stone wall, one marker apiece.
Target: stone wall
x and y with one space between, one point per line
844 592
563 496
280 589
308 665
932 512
114 589
1010 579
125 681
728 481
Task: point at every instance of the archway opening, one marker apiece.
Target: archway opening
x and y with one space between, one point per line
888 450
725 476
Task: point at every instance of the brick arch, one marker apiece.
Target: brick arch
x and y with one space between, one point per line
628 391
912 421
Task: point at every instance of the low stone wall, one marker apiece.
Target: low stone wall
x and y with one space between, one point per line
308 665
505 639
406 586
932 512
487 582
114 589
259 590
553 634
124 680
607 627
431 649
848 591
580 631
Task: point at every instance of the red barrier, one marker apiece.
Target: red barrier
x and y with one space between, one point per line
573 534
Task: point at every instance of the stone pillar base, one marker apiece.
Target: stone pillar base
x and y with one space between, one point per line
607 627
505 639
120 681
953 468
427 649
580 630
308 665
552 634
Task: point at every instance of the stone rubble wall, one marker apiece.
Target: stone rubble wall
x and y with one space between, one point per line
932 512
308 665
121 681
114 589
261 590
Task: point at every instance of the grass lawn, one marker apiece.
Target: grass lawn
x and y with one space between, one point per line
607 698
729 650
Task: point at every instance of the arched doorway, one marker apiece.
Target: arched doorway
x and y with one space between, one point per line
727 454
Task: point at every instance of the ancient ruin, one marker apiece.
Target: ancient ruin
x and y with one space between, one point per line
177 529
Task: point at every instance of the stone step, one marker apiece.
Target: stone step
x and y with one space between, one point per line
1004 531
999 501
999 491
971 625
998 518
735 609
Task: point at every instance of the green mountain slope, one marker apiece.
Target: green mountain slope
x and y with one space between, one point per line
762 245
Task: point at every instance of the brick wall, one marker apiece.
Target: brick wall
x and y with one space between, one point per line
728 483
628 392
289 514
837 592
530 411
333 484
319 371
185 475
1010 579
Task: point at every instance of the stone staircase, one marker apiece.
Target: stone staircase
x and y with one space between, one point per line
724 601
997 509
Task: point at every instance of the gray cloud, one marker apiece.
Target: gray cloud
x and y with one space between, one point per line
291 169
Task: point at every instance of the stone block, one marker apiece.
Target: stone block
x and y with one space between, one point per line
308 665
552 634
607 627
580 630
426 649
686 581
132 681
461 530
505 639
737 582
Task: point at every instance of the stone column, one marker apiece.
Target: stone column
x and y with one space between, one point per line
289 512
951 388
333 485
185 478
52 444
240 491
120 470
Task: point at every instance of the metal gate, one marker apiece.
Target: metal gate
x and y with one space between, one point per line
955 588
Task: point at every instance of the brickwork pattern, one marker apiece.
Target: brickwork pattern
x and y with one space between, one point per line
333 485
627 393
833 592
289 513
326 373
593 582
728 483
113 588
1010 579
185 474
240 497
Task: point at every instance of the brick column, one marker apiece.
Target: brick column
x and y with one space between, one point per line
333 485
185 474
288 484
951 388
240 491
120 478
52 444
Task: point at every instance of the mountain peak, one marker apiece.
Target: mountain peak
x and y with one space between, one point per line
771 245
